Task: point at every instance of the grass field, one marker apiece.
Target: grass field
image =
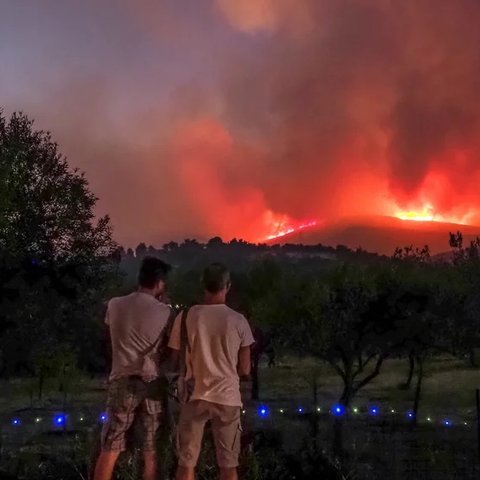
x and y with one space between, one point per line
433 449
448 389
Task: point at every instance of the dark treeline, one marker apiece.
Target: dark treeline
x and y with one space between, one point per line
190 256
239 254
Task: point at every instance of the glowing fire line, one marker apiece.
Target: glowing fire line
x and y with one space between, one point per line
427 214
288 230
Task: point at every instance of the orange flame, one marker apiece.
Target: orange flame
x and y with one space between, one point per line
427 213
283 225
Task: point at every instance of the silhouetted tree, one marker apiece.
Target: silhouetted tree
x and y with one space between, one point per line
151 250
413 254
462 254
215 242
48 209
140 251
170 246
56 259
466 333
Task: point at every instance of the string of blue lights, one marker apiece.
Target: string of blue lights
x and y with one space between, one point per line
339 410
57 420
263 412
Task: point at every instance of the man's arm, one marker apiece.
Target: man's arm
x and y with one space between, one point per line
244 364
244 353
107 340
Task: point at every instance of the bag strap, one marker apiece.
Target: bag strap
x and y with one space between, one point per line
184 342
164 336
163 339
169 326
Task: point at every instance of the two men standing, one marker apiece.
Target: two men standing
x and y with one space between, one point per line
218 353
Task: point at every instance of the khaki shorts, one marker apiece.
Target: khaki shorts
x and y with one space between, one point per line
226 431
128 399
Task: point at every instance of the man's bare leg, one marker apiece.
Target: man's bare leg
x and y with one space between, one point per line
149 465
105 465
228 474
185 473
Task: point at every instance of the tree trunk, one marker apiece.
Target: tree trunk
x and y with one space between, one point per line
64 400
40 386
338 447
255 383
314 416
347 394
411 370
473 358
338 426
418 390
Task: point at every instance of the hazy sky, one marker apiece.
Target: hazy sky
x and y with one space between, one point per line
230 117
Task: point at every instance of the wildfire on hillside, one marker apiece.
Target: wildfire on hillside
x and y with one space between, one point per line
288 228
427 213
394 134
313 112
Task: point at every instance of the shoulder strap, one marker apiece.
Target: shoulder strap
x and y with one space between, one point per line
184 342
162 342
170 321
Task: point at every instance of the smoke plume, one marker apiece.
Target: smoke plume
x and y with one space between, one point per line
241 118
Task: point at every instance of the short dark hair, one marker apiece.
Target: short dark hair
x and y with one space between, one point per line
216 277
152 271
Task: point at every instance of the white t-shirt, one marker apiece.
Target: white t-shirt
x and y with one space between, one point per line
216 333
137 325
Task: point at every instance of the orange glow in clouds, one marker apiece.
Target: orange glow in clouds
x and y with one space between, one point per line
434 202
203 151
217 173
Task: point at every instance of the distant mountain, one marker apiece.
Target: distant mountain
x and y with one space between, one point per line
381 234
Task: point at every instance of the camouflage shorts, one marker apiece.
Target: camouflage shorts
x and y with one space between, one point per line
128 399
226 429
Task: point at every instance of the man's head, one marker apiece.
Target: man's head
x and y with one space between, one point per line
216 279
153 275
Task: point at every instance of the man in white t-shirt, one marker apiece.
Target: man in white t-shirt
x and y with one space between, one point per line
138 325
219 353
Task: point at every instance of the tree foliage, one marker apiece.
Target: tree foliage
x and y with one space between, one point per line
49 210
56 259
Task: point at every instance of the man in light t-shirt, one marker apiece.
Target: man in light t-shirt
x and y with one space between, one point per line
220 340
137 324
